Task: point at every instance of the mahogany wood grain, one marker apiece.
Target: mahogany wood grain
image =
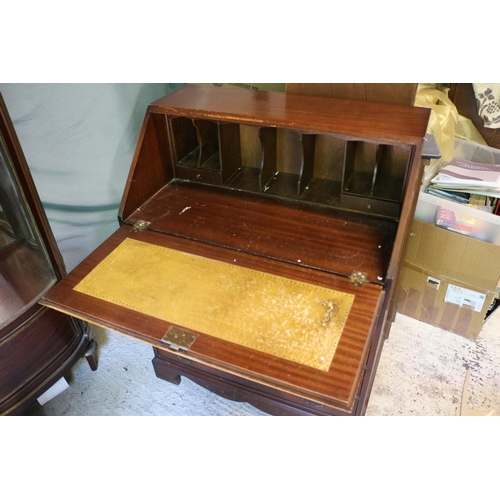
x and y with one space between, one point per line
171 367
398 93
230 149
337 386
151 168
35 355
316 237
307 151
351 119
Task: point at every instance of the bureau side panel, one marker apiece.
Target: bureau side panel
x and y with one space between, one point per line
151 166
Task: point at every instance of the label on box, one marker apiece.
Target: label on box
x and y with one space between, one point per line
434 282
463 297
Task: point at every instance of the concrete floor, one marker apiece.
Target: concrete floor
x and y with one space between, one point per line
421 372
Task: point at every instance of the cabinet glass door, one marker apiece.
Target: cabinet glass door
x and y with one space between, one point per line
25 271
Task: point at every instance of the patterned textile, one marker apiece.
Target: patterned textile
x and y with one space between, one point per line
488 103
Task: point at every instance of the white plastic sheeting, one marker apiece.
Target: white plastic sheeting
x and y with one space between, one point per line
79 140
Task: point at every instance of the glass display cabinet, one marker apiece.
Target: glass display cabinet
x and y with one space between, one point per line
38 346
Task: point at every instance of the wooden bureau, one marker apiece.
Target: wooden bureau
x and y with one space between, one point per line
260 239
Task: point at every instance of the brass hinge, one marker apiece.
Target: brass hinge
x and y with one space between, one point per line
178 339
358 278
140 225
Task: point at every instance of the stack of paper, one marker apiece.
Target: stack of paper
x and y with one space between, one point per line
471 177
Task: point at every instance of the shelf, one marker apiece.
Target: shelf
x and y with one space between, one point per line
289 164
192 159
294 164
306 235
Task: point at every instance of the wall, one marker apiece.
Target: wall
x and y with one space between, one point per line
79 140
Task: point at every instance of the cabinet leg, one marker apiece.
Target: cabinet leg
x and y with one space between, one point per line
91 355
165 371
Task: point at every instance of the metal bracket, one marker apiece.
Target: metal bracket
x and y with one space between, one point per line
178 339
358 278
140 225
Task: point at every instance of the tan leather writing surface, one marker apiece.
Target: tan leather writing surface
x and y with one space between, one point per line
286 318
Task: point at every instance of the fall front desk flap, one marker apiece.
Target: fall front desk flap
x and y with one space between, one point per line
279 316
300 326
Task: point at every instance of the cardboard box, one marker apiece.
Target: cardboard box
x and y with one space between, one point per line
272 87
448 280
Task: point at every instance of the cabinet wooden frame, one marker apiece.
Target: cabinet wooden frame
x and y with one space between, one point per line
257 177
38 345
